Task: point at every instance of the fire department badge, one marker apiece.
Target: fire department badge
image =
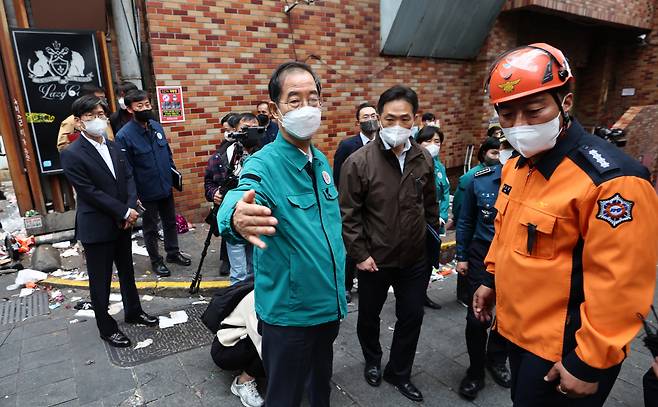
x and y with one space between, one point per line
615 210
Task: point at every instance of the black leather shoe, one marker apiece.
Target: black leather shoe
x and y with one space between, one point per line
431 304
144 319
160 269
373 375
179 259
501 374
410 391
117 339
469 388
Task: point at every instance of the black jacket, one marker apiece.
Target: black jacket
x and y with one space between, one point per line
102 200
385 211
224 302
345 149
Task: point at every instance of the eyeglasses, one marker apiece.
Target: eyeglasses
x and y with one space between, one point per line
294 102
92 116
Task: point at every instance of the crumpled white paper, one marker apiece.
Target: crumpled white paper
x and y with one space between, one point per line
62 245
174 318
28 275
139 250
143 344
70 252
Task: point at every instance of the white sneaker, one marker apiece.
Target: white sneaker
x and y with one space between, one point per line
247 392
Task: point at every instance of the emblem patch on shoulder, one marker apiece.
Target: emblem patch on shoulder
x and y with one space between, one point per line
603 163
326 177
615 210
506 189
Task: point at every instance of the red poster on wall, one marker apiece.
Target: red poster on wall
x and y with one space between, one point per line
170 103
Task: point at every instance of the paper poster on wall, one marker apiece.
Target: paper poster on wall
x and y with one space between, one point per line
170 103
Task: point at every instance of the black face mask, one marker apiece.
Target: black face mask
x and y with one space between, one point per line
369 127
491 161
143 115
252 139
263 119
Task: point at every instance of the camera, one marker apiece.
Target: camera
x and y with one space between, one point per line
249 136
614 135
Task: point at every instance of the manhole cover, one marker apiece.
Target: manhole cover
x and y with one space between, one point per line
168 341
18 309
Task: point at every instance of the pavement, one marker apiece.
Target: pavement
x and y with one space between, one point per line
48 361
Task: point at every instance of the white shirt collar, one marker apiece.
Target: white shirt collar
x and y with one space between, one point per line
94 142
365 140
407 145
308 153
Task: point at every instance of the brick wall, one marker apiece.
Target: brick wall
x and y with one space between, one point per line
640 123
634 13
636 66
223 52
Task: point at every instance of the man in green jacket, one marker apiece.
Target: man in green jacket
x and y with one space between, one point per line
286 205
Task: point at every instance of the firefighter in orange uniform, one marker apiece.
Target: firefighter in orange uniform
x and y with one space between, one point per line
573 259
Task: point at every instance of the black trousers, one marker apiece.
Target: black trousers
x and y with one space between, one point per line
530 390
295 358
409 286
242 356
650 384
100 257
161 209
350 268
480 352
462 289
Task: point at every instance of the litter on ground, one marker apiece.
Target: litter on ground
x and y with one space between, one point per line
174 318
115 308
89 313
28 275
25 292
70 252
143 344
62 245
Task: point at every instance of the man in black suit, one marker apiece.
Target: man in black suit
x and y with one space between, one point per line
368 122
102 178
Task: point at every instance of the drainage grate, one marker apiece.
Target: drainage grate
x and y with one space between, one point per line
18 309
168 341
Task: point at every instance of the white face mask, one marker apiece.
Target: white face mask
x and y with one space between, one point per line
433 149
505 155
302 123
395 136
96 127
533 139
122 104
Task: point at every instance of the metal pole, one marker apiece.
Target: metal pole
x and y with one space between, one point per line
127 37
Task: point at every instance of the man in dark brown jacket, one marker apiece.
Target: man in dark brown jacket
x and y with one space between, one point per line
387 197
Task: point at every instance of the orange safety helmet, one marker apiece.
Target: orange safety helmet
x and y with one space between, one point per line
527 70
